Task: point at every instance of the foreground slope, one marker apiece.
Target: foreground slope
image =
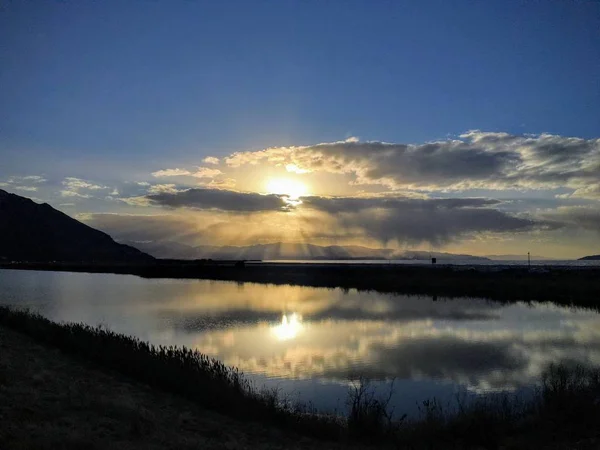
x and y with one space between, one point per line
33 232
49 400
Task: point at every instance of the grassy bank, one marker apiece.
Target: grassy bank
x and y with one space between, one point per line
565 410
53 401
566 286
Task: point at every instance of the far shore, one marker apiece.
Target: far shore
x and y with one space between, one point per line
578 286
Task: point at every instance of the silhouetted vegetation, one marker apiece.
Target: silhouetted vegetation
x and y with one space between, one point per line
566 286
566 407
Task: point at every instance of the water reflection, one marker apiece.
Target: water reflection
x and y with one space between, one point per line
288 328
290 333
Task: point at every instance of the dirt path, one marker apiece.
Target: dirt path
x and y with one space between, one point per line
49 400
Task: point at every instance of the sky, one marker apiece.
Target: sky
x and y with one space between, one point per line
463 126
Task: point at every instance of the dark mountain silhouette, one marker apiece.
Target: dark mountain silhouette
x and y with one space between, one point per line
37 232
590 258
283 251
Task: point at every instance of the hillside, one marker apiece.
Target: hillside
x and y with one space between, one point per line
37 232
590 258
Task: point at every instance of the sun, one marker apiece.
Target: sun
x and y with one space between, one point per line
286 186
289 328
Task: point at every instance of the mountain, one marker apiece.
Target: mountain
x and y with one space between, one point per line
283 251
590 258
37 232
421 255
518 258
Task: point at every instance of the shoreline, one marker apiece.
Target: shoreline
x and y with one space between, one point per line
566 286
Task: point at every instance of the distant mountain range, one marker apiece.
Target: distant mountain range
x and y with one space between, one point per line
519 257
590 258
37 232
287 251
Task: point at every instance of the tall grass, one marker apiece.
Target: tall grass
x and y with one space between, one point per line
189 373
565 408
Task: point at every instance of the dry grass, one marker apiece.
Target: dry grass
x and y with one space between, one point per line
49 400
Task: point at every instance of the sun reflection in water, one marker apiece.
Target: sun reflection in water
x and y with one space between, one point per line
289 327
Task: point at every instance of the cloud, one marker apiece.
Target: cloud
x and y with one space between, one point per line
26 179
414 221
211 160
20 183
34 179
77 183
584 217
477 160
352 204
224 183
170 173
208 199
68 193
404 220
295 169
201 172
74 186
136 201
26 188
160 188
591 191
205 172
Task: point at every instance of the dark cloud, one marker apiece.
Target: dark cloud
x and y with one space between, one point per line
223 200
436 221
585 217
352 204
427 164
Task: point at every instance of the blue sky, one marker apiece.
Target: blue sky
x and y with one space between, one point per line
111 91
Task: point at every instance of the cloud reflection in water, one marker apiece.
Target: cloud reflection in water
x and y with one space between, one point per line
479 344
286 332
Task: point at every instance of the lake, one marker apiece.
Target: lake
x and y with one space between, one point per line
310 342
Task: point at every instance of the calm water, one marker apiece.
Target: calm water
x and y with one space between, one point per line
308 342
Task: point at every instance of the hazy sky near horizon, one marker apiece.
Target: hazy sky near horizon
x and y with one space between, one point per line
457 126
